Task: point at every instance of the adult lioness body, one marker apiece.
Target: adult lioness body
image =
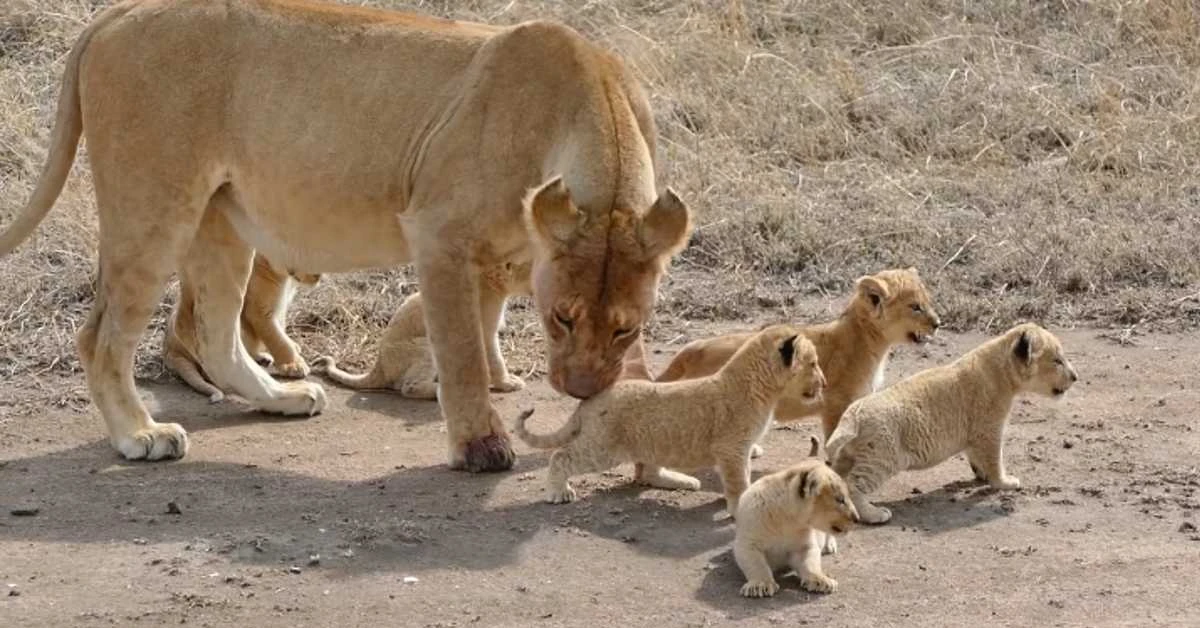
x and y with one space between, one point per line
335 138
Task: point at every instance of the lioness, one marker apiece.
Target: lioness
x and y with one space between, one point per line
404 362
782 521
264 310
887 309
921 421
692 424
334 138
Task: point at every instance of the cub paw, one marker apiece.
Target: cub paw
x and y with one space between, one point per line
508 383
564 495
758 588
830 546
818 583
1007 482
297 369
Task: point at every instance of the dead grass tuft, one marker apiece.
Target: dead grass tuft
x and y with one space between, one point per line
1034 160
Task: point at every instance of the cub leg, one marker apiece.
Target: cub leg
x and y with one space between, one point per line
735 476
264 311
658 477
863 478
988 456
570 461
217 266
807 563
491 311
760 581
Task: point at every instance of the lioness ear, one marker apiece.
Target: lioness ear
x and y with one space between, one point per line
1023 349
787 350
666 227
875 291
551 212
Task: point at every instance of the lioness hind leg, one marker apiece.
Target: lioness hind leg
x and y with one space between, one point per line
136 259
218 266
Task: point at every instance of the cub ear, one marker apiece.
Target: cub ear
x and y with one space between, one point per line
1023 348
802 483
666 226
874 290
552 214
814 446
787 351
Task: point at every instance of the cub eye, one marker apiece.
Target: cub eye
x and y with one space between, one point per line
916 307
1058 361
563 320
841 500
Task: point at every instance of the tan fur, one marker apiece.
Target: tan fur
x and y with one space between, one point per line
302 131
888 308
264 310
782 520
687 425
404 362
925 419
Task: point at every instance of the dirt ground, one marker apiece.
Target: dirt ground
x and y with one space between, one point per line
352 518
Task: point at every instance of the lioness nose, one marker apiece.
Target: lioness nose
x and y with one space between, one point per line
583 385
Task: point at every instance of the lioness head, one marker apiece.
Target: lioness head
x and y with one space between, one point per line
822 496
900 304
595 278
1041 365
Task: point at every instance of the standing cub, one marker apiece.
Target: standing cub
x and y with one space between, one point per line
269 292
692 424
887 309
405 362
963 406
781 521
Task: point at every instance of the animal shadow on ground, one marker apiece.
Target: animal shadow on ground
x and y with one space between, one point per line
722 583
260 513
955 505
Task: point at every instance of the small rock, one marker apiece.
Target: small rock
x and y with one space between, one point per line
140 541
294 569
411 580
25 511
1068 444
1056 603
1187 526
916 491
173 509
13 592
314 560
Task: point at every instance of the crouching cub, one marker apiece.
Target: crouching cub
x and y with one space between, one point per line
963 406
887 309
405 361
781 521
704 422
269 292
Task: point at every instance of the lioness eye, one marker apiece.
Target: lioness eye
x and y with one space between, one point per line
567 323
624 331
916 307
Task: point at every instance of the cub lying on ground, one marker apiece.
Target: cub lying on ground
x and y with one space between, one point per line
887 309
405 362
963 406
269 291
692 424
781 523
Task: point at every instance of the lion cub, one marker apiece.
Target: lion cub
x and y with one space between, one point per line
782 520
697 423
887 309
962 406
405 361
269 292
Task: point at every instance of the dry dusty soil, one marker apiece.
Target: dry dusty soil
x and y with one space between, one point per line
352 518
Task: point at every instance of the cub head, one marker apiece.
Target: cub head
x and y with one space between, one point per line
1040 363
793 358
898 303
595 278
822 495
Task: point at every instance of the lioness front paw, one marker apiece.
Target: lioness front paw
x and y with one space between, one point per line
564 495
159 441
759 588
756 451
508 383
818 583
299 399
874 515
216 396
1007 482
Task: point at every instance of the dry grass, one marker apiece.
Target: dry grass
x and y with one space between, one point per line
1036 160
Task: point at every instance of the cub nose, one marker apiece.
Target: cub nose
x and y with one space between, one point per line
1074 376
935 323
